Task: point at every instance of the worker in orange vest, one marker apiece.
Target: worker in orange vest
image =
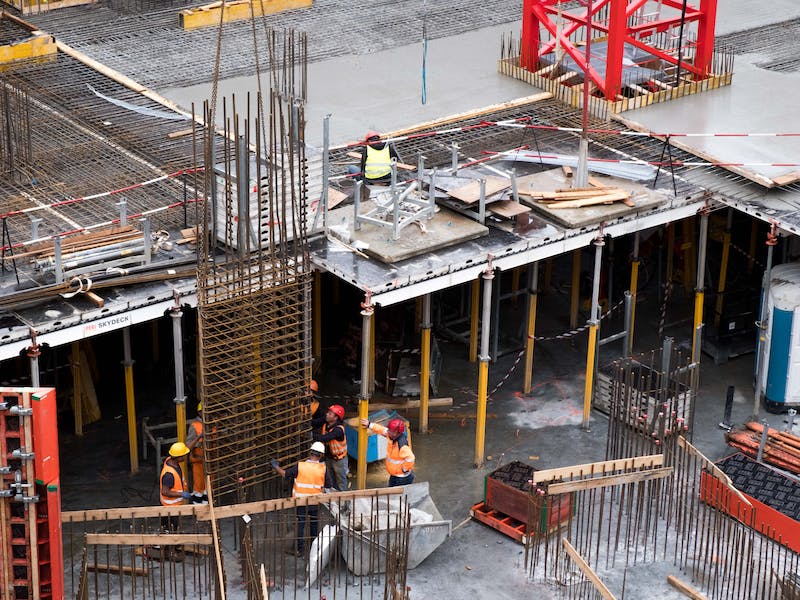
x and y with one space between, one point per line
172 483
194 441
310 478
399 457
332 435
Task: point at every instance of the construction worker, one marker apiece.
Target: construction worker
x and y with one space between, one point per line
399 457
313 391
332 435
310 478
194 441
376 159
172 483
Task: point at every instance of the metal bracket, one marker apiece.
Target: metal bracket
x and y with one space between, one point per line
20 454
5 470
30 499
21 412
6 493
3 405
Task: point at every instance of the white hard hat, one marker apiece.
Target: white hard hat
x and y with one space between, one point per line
318 447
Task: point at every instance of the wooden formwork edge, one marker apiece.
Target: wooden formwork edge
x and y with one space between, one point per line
598 468
587 570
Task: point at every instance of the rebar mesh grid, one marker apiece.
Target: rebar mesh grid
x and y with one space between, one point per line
254 290
73 143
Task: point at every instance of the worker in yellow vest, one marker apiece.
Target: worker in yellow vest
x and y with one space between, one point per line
173 490
310 478
194 441
332 435
376 160
399 457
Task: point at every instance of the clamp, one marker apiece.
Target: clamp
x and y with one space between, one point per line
20 412
21 454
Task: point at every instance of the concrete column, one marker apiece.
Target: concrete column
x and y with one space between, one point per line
130 399
483 367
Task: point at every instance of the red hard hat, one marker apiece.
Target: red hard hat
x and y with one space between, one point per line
397 425
337 410
371 134
314 387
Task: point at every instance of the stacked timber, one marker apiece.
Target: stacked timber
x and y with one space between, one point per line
579 197
782 449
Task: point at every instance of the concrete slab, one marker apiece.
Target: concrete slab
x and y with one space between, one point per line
382 90
741 107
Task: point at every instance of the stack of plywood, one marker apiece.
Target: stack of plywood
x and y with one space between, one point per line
471 193
580 197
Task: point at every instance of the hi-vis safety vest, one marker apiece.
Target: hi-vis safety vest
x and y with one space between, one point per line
379 162
197 451
178 485
310 479
399 460
338 448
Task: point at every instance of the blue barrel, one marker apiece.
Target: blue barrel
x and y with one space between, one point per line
782 343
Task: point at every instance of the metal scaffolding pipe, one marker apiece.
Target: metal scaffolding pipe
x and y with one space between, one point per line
130 400
177 351
483 366
425 358
772 241
363 406
533 295
701 274
594 322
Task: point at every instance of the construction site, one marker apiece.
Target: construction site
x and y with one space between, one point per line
523 275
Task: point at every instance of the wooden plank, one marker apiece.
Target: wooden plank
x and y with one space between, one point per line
597 182
566 170
607 481
792 177
713 469
147 539
217 553
508 208
596 468
432 402
685 588
471 192
238 510
592 200
124 569
181 133
131 512
335 198
587 570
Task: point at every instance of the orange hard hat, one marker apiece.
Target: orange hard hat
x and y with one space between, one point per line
314 387
337 410
371 134
396 425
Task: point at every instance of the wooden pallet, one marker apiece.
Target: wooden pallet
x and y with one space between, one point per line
516 530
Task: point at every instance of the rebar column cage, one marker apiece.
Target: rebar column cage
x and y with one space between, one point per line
254 291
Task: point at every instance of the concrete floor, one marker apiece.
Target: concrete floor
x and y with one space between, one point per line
382 90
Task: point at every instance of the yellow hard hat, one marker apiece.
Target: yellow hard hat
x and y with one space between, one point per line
199 406
178 449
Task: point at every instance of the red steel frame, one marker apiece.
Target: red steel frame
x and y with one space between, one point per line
536 13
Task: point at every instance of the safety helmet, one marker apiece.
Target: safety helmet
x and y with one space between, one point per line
337 410
313 385
199 406
396 425
318 447
371 134
178 449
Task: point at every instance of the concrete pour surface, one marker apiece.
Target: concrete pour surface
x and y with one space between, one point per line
382 90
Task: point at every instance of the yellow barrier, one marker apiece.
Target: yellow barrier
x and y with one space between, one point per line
38 46
208 15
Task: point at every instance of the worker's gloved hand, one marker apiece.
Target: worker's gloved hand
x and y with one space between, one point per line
275 464
186 495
